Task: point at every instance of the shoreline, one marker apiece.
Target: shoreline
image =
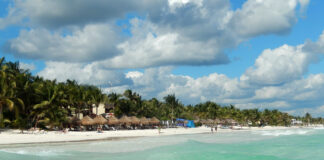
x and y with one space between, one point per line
12 138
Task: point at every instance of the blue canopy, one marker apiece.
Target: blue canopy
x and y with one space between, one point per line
190 124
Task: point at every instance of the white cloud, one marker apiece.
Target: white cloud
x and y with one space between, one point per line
84 74
27 66
93 42
279 65
172 32
265 16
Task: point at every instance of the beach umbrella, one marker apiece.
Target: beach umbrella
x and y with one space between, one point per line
87 121
217 121
144 121
135 120
113 120
125 120
197 121
75 121
154 120
203 121
99 120
210 121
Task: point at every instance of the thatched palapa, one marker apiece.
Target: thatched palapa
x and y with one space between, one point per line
144 121
99 120
154 120
135 120
75 121
113 120
87 121
125 120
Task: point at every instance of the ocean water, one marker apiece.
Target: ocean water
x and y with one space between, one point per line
290 144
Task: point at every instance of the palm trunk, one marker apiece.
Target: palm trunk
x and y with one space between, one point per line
1 117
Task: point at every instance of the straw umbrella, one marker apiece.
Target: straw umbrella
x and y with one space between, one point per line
75 121
197 121
144 121
99 120
113 120
125 120
87 121
135 120
154 120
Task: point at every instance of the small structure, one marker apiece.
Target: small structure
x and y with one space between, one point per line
135 120
112 120
87 121
99 120
154 121
125 120
144 121
296 122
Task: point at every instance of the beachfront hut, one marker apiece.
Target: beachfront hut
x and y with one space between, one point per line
203 121
99 120
112 120
210 122
231 122
144 121
87 121
125 120
135 120
75 121
154 120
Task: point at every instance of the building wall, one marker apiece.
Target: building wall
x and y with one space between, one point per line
101 109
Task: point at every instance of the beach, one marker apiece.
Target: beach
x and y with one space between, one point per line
16 137
268 143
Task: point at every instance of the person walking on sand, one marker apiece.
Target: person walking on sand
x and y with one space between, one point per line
216 128
211 129
159 129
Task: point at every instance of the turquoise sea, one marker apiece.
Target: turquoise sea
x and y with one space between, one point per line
291 144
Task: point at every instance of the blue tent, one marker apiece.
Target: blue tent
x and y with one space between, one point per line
190 124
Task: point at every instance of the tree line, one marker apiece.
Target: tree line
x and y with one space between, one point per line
31 101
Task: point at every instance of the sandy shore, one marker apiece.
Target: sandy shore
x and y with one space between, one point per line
15 137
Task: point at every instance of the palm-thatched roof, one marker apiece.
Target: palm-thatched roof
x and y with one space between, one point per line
203 121
125 120
87 121
144 121
197 121
99 120
231 121
135 120
113 120
75 121
210 121
154 120
217 121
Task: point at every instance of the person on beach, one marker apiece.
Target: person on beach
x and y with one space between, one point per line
159 129
216 128
211 129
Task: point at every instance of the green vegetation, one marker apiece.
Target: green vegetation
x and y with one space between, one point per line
30 101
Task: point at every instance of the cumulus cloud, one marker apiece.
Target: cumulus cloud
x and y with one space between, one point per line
93 42
279 65
27 66
265 16
61 13
84 74
169 32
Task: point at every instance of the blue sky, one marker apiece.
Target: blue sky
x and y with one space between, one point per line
250 53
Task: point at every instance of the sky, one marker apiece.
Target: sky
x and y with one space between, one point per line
249 53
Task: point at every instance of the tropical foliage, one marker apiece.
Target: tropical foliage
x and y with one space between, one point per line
30 101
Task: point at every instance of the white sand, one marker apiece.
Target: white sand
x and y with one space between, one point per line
15 137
